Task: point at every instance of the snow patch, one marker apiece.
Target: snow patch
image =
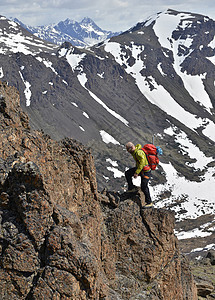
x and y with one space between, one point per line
163 28
17 42
188 148
116 172
192 234
81 128
73 59
202 231
160 69
101 75
195 87
112 162
194 198
86 115
1 73
65 82
107 138
47 63
206 248
27 90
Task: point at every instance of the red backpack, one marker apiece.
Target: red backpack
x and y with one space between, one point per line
152 155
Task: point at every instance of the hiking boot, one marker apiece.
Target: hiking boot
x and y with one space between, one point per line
148 205
132 190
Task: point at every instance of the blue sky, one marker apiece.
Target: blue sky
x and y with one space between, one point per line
115 15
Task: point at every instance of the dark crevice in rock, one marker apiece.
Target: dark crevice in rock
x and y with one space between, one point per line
36 277
4 244
150 232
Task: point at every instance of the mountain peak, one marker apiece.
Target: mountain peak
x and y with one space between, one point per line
68 21
82 34
87 20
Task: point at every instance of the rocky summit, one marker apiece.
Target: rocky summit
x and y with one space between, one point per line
62 239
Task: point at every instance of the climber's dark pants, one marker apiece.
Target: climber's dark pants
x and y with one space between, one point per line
145 176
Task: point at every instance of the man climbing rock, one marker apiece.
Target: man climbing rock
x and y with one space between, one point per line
142 169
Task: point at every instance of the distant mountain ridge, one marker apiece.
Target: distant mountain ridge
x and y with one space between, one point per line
79 34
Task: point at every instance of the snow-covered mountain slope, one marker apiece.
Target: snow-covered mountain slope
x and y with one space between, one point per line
82 34
156 79
15 39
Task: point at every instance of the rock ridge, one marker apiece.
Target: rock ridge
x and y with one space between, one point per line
62 239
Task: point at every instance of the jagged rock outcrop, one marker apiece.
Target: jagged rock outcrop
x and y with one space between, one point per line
61 239
45 252
67 166
145 257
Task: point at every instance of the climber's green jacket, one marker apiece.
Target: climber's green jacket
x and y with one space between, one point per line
140 158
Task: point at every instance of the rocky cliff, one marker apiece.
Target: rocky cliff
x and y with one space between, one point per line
61 239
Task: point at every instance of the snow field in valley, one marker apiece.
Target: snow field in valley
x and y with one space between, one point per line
159 96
